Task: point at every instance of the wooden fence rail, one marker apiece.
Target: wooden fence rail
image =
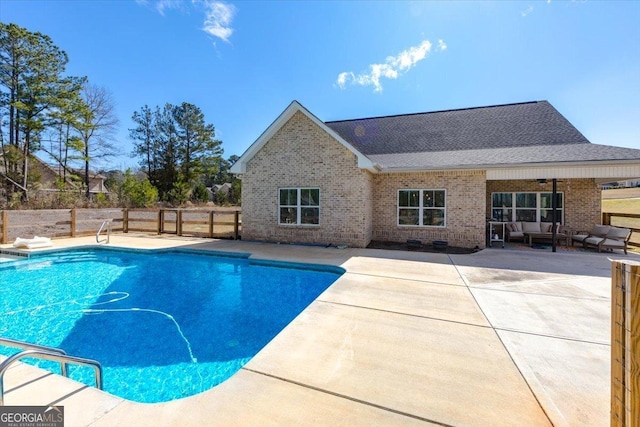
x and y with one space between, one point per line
625 344
220 223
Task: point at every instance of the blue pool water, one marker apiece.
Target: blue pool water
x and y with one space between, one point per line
163 325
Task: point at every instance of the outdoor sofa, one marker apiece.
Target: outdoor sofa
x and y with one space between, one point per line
615 238
519 229
597 231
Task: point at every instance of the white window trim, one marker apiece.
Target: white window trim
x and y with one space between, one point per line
420 208
538 208
298 206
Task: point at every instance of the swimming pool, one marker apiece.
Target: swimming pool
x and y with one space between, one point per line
164 325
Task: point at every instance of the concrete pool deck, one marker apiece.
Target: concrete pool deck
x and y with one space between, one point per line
499 337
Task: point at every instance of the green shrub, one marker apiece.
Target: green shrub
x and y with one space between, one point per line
102 200
200 194
179 193
137 192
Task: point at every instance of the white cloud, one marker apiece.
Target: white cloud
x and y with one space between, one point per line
526 11
218 15
167 5
392 68
162 5
342 79
218 18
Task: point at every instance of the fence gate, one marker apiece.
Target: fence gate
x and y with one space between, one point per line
625 344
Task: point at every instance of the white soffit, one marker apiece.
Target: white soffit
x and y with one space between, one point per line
607 171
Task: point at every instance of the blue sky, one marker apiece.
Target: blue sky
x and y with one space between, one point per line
243 62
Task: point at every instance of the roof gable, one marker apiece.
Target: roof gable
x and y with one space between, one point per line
240 166
513 125
48 172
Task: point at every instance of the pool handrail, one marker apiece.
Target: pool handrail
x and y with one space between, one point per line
108 224
9 342
54 356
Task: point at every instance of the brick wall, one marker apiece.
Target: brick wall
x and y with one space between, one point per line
581 198
465 207
356 206
301 154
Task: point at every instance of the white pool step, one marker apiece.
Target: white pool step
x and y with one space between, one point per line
6 256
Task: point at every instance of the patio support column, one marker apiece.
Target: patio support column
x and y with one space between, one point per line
554 213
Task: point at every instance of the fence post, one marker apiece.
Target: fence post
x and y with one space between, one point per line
5 228
236 225
125 220
625 343
606 218
160 220
179 222
73 222
211 214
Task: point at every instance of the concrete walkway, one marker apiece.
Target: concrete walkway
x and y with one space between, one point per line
500 338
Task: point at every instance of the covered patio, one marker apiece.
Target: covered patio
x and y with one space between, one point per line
569 194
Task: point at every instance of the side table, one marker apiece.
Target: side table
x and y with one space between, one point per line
496 232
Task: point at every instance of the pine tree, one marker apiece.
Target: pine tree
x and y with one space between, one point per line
31 69
176 147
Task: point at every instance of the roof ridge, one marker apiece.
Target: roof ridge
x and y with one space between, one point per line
437 111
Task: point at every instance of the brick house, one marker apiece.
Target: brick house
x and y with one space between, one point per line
47 178
427 176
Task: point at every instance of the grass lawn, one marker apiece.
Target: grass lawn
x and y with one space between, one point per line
629 203
628 206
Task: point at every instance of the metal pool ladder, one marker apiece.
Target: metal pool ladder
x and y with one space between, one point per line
45 353
108 224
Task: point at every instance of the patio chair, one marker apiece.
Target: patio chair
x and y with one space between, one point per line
514 231
597 231
616 238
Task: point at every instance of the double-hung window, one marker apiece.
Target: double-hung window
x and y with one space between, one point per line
299 206
526 206
422 208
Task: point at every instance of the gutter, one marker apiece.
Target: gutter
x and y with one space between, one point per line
537 165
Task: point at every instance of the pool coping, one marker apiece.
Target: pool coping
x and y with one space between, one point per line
204 252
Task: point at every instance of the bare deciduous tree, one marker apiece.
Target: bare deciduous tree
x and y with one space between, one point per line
96 127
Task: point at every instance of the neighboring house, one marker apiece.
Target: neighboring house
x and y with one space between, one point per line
630 183
225 188
428 176
96 181
218 189
48 175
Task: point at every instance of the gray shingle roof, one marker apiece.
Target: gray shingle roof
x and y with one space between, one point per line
526 124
